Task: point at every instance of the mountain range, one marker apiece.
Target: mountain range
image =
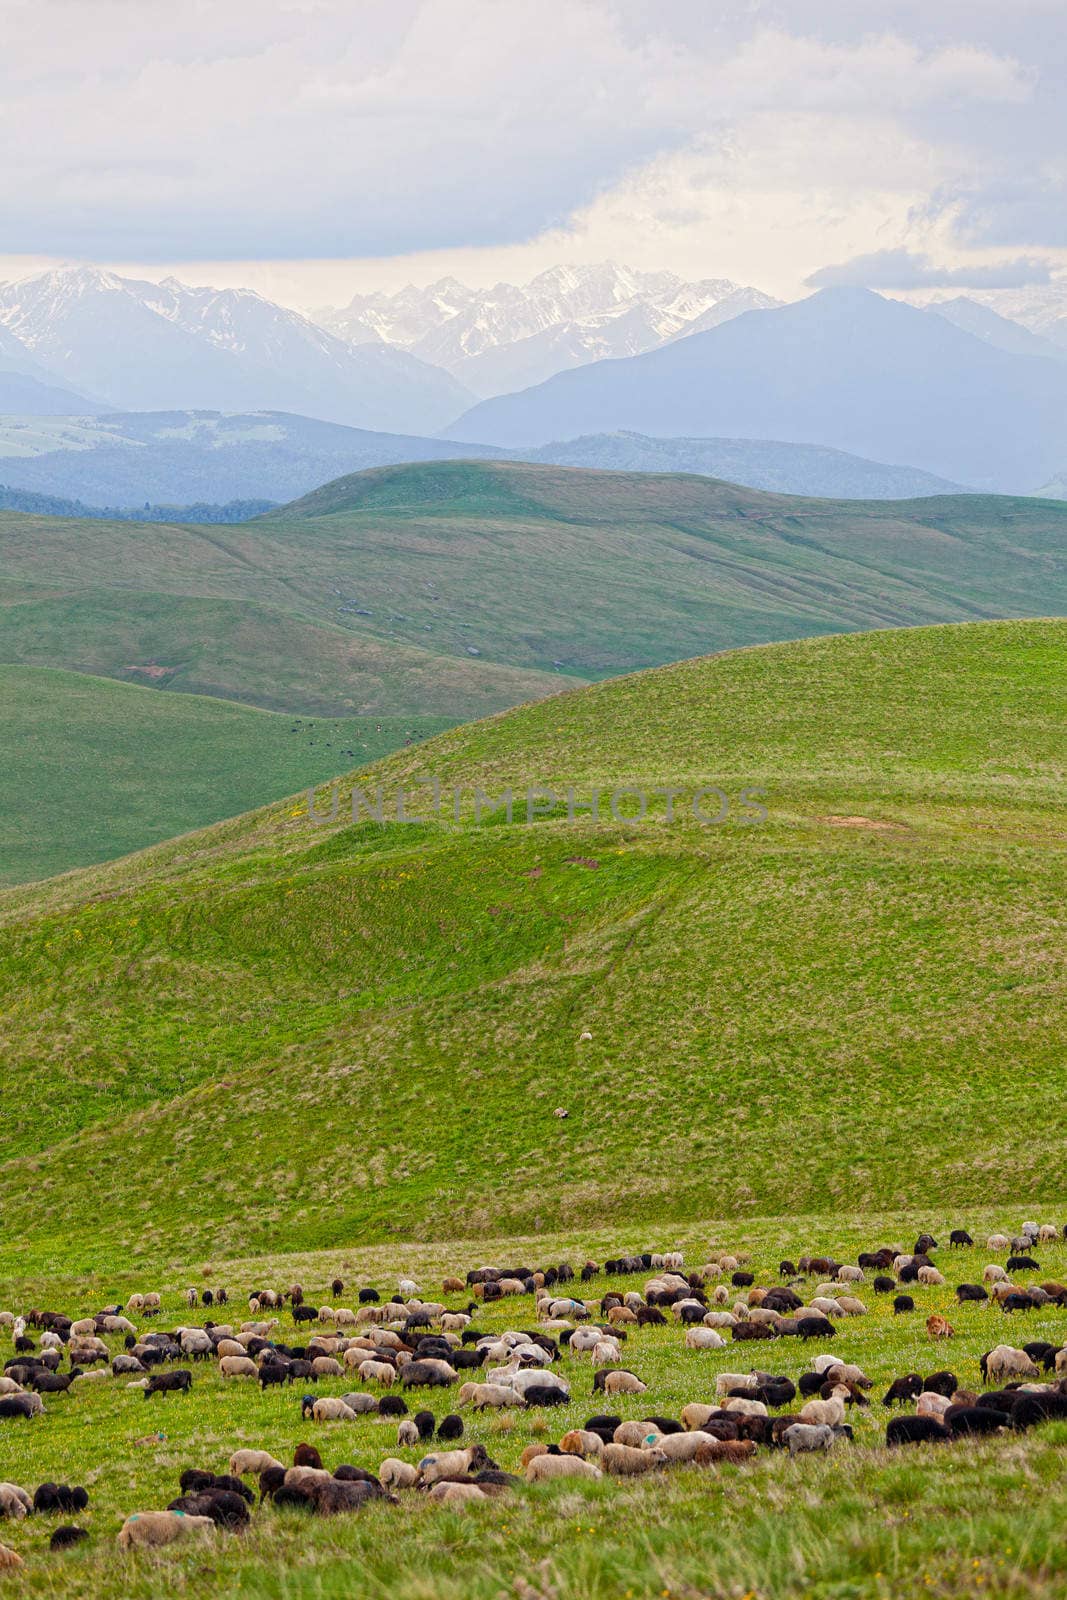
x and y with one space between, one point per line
511 336
133 345
186 458
844 368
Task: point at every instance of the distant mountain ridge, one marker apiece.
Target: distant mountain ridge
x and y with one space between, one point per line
513 335
145 346
181 458
844 368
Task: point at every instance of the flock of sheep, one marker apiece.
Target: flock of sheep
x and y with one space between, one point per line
399 1347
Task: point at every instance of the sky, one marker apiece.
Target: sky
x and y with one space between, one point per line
316 148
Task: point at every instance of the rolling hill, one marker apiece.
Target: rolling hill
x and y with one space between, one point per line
277 1036
94 769
844 368
454 589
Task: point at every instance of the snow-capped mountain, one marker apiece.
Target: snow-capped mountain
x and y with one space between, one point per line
1041 307
145 346
511 336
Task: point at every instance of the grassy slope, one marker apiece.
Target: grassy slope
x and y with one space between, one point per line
531 566
93 769
974 1518
797 1016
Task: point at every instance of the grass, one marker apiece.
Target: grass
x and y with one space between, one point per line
973 1518
458 588
271 1035
94 769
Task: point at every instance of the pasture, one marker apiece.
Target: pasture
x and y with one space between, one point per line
967 1517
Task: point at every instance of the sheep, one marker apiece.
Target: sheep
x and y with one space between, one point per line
915 1430
804 1437
452 1464
332 1409
851 1306
407 1433
998 1241
1005 1362
238 1367
829 1412
394 1474
715 1451
543 1468
327 1367
21 1405
15 1503
695 1415
619 1382
1061 1362
9 1386
703 1338
457 1494
428 1373
9 1559
633 1434
245 1462
382 1372
623 1461
674 1447
1047 1233
745 1408
481 1395
581 1442
151 1529
932 1405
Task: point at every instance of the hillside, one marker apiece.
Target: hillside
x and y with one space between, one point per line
279 1036
455 589
844 368
93 769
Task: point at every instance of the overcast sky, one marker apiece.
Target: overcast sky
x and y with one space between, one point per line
315 147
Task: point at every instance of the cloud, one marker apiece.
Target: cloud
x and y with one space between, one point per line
908 269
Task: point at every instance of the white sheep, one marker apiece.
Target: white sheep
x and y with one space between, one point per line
701 1338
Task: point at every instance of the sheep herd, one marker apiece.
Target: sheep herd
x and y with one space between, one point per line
380 1353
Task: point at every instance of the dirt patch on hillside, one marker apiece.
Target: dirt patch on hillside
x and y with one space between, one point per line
863 822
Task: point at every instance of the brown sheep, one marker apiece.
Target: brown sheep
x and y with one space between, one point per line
151 1529
728 1450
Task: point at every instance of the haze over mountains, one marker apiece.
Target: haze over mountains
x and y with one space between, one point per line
144 346
117 392
510 336
845 368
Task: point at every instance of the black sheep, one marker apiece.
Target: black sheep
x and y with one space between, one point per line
973 1419
883 1284
1030 1409
943 1383
970 1291
194 1480
960 1238
902 1303
391 1405
51 1497
813 1328
63 1538
17 1405
424 1421
665 1424
915 1430
903 1390
543 1394
451 1427
1022 1264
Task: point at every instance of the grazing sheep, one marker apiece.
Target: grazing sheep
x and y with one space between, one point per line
932 1405
715 1452
915 1430
618 1381
151 1529
9 1559
394 1474
623 1461
63 1538
828 1412
238 1367
543 1468
704 1338
382 1372
428 1373
581 1442
803 1437
457 1494
481 1395
15 1503
674 1447
21 1405
998 1241
244 1462
452 1464
903 1304
332 1409
1005 1362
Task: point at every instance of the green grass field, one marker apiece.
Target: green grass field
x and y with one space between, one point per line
93 769
967 1519
837 1009
458 588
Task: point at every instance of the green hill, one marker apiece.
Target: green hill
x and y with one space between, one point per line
458 588
93 770
275 1035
